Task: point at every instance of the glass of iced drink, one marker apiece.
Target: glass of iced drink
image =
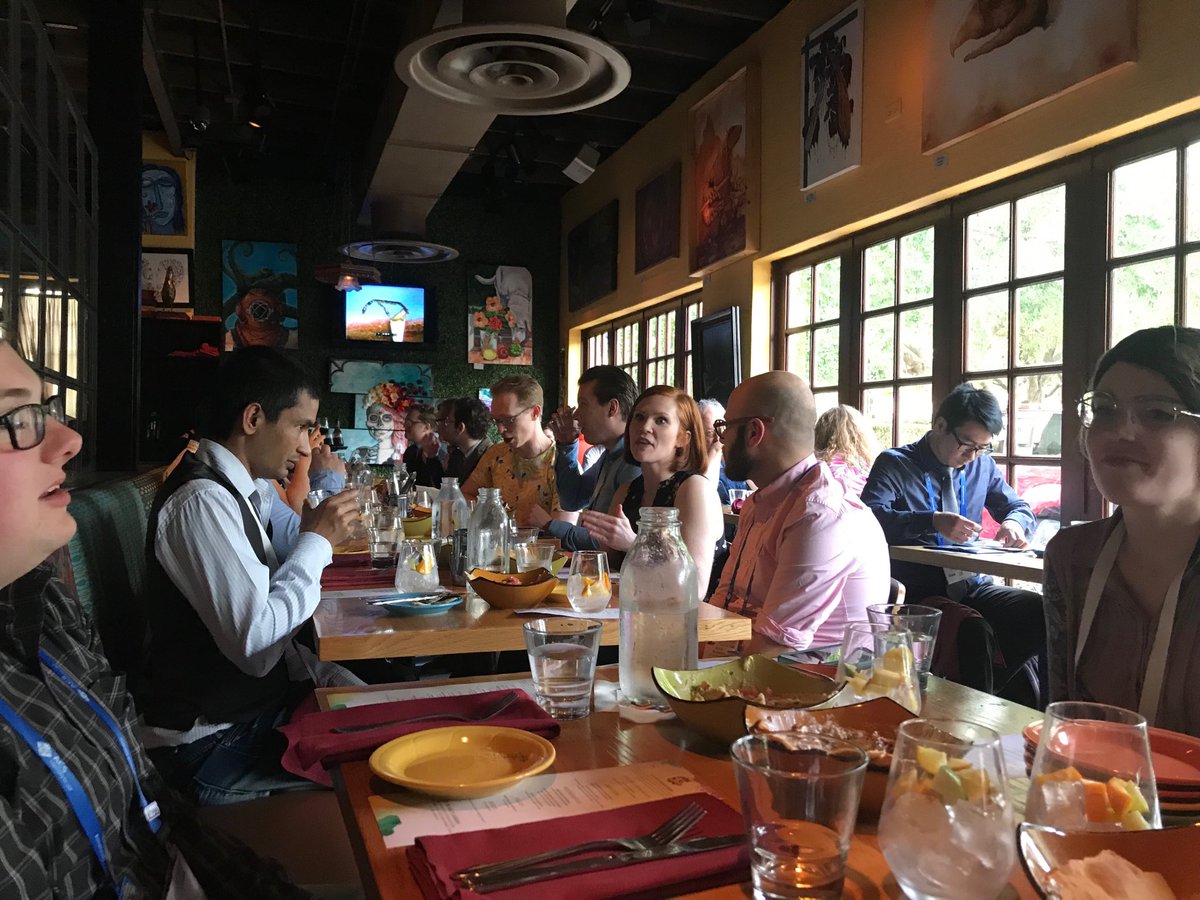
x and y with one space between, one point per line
946 827
799 795
589 586
877 661
922 624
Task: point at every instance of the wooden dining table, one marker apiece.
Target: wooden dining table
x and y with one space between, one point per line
605 740
346 627
1019 566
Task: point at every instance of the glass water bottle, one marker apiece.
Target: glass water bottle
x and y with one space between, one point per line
449 509
487 533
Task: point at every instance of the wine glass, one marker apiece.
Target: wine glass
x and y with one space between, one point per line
416 566
589 588
946 826
1092 770
877 661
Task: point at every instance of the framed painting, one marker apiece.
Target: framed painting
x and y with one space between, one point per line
168 185
717 354
166 280
832 129
723 187
258 284
656 220
499 315
983 69
592 258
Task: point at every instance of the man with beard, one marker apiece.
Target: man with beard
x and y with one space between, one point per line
808 557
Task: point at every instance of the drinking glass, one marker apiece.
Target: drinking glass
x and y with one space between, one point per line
922 624
386 529
1092 770
589 588
877 661
416 566
534 555
316 498
799 795
421 496
523 535
737 499
562 658
946 827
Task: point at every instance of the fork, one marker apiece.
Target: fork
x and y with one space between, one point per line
671 830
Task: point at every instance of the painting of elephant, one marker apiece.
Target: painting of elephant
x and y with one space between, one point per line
499 315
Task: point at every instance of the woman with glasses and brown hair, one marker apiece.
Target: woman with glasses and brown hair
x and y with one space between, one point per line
665 436
82 811
1123 593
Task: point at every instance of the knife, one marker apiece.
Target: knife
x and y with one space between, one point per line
548 871
414 598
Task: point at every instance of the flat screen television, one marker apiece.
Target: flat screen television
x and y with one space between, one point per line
716 355
389 313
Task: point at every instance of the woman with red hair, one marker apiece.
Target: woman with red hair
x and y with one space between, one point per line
665 436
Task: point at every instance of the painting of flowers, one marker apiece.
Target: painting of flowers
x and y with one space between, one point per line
499 315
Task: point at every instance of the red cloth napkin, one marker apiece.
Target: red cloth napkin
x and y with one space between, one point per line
434 859
344 578
313 745
354 559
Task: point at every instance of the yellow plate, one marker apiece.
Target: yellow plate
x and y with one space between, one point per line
463 761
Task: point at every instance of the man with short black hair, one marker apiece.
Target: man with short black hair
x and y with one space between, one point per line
222 669
462 425
605 400
934 491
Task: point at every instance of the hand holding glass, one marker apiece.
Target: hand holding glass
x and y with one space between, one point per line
589 587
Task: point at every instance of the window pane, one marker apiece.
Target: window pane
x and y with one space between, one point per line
915 412
987 332
1038 429
877 408
53 303
998 385
1143 295
916 342
825 400
1041 488
1191 312
879 276
29 320
652 334
669 325
798 346
825 351
6 150
1040 324
799 298
1041 227
1193 192
71 402
879 358
987 246
916 266
829 289
1143 205
72 337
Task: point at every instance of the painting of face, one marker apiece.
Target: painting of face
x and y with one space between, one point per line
162 200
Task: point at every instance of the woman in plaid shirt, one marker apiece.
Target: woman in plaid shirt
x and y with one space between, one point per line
82 811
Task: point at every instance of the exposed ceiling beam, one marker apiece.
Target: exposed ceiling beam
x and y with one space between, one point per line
686 43
751 10
158 88
176 45
303 22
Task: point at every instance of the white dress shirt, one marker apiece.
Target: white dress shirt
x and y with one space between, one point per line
251 610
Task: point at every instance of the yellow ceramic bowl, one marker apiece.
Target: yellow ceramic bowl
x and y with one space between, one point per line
535 586
462 762
418 526
723 718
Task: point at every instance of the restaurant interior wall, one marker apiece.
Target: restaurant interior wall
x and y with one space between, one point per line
895 177
524 232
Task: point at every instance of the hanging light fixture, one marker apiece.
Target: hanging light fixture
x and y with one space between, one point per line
346 276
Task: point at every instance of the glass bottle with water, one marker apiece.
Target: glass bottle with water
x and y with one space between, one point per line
449 509
659 605
487 533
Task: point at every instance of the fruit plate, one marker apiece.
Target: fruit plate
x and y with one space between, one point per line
404 605
462 762
1174 756
1171 852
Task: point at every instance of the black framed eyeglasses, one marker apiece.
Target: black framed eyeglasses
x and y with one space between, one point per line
720 425
971 446
1099 410
507 421
26 425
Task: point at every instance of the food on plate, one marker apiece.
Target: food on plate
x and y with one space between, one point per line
877 746
1115 802
1108 876
511 579
420 512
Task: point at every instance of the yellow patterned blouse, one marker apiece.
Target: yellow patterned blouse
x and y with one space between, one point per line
523 482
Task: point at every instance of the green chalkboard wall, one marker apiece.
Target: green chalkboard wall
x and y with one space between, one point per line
523 232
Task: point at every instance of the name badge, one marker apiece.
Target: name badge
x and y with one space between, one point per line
955 575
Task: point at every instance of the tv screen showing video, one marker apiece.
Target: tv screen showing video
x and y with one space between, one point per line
386 313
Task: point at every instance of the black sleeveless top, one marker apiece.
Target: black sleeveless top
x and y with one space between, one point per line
664 496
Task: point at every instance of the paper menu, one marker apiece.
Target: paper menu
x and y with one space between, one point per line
609 614
403 817
339 700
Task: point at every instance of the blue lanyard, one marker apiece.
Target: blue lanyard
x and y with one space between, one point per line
80 803
935 499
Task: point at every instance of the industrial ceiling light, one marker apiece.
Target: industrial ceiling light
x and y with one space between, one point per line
346 276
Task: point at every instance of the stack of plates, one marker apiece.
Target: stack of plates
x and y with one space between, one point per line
1176 761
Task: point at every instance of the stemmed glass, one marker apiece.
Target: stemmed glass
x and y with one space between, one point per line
877 661
946 825
589 588
1092 770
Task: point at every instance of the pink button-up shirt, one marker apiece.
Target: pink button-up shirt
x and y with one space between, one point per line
809 557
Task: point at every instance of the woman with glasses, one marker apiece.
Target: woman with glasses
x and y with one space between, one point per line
1123 593
82 812
665 436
